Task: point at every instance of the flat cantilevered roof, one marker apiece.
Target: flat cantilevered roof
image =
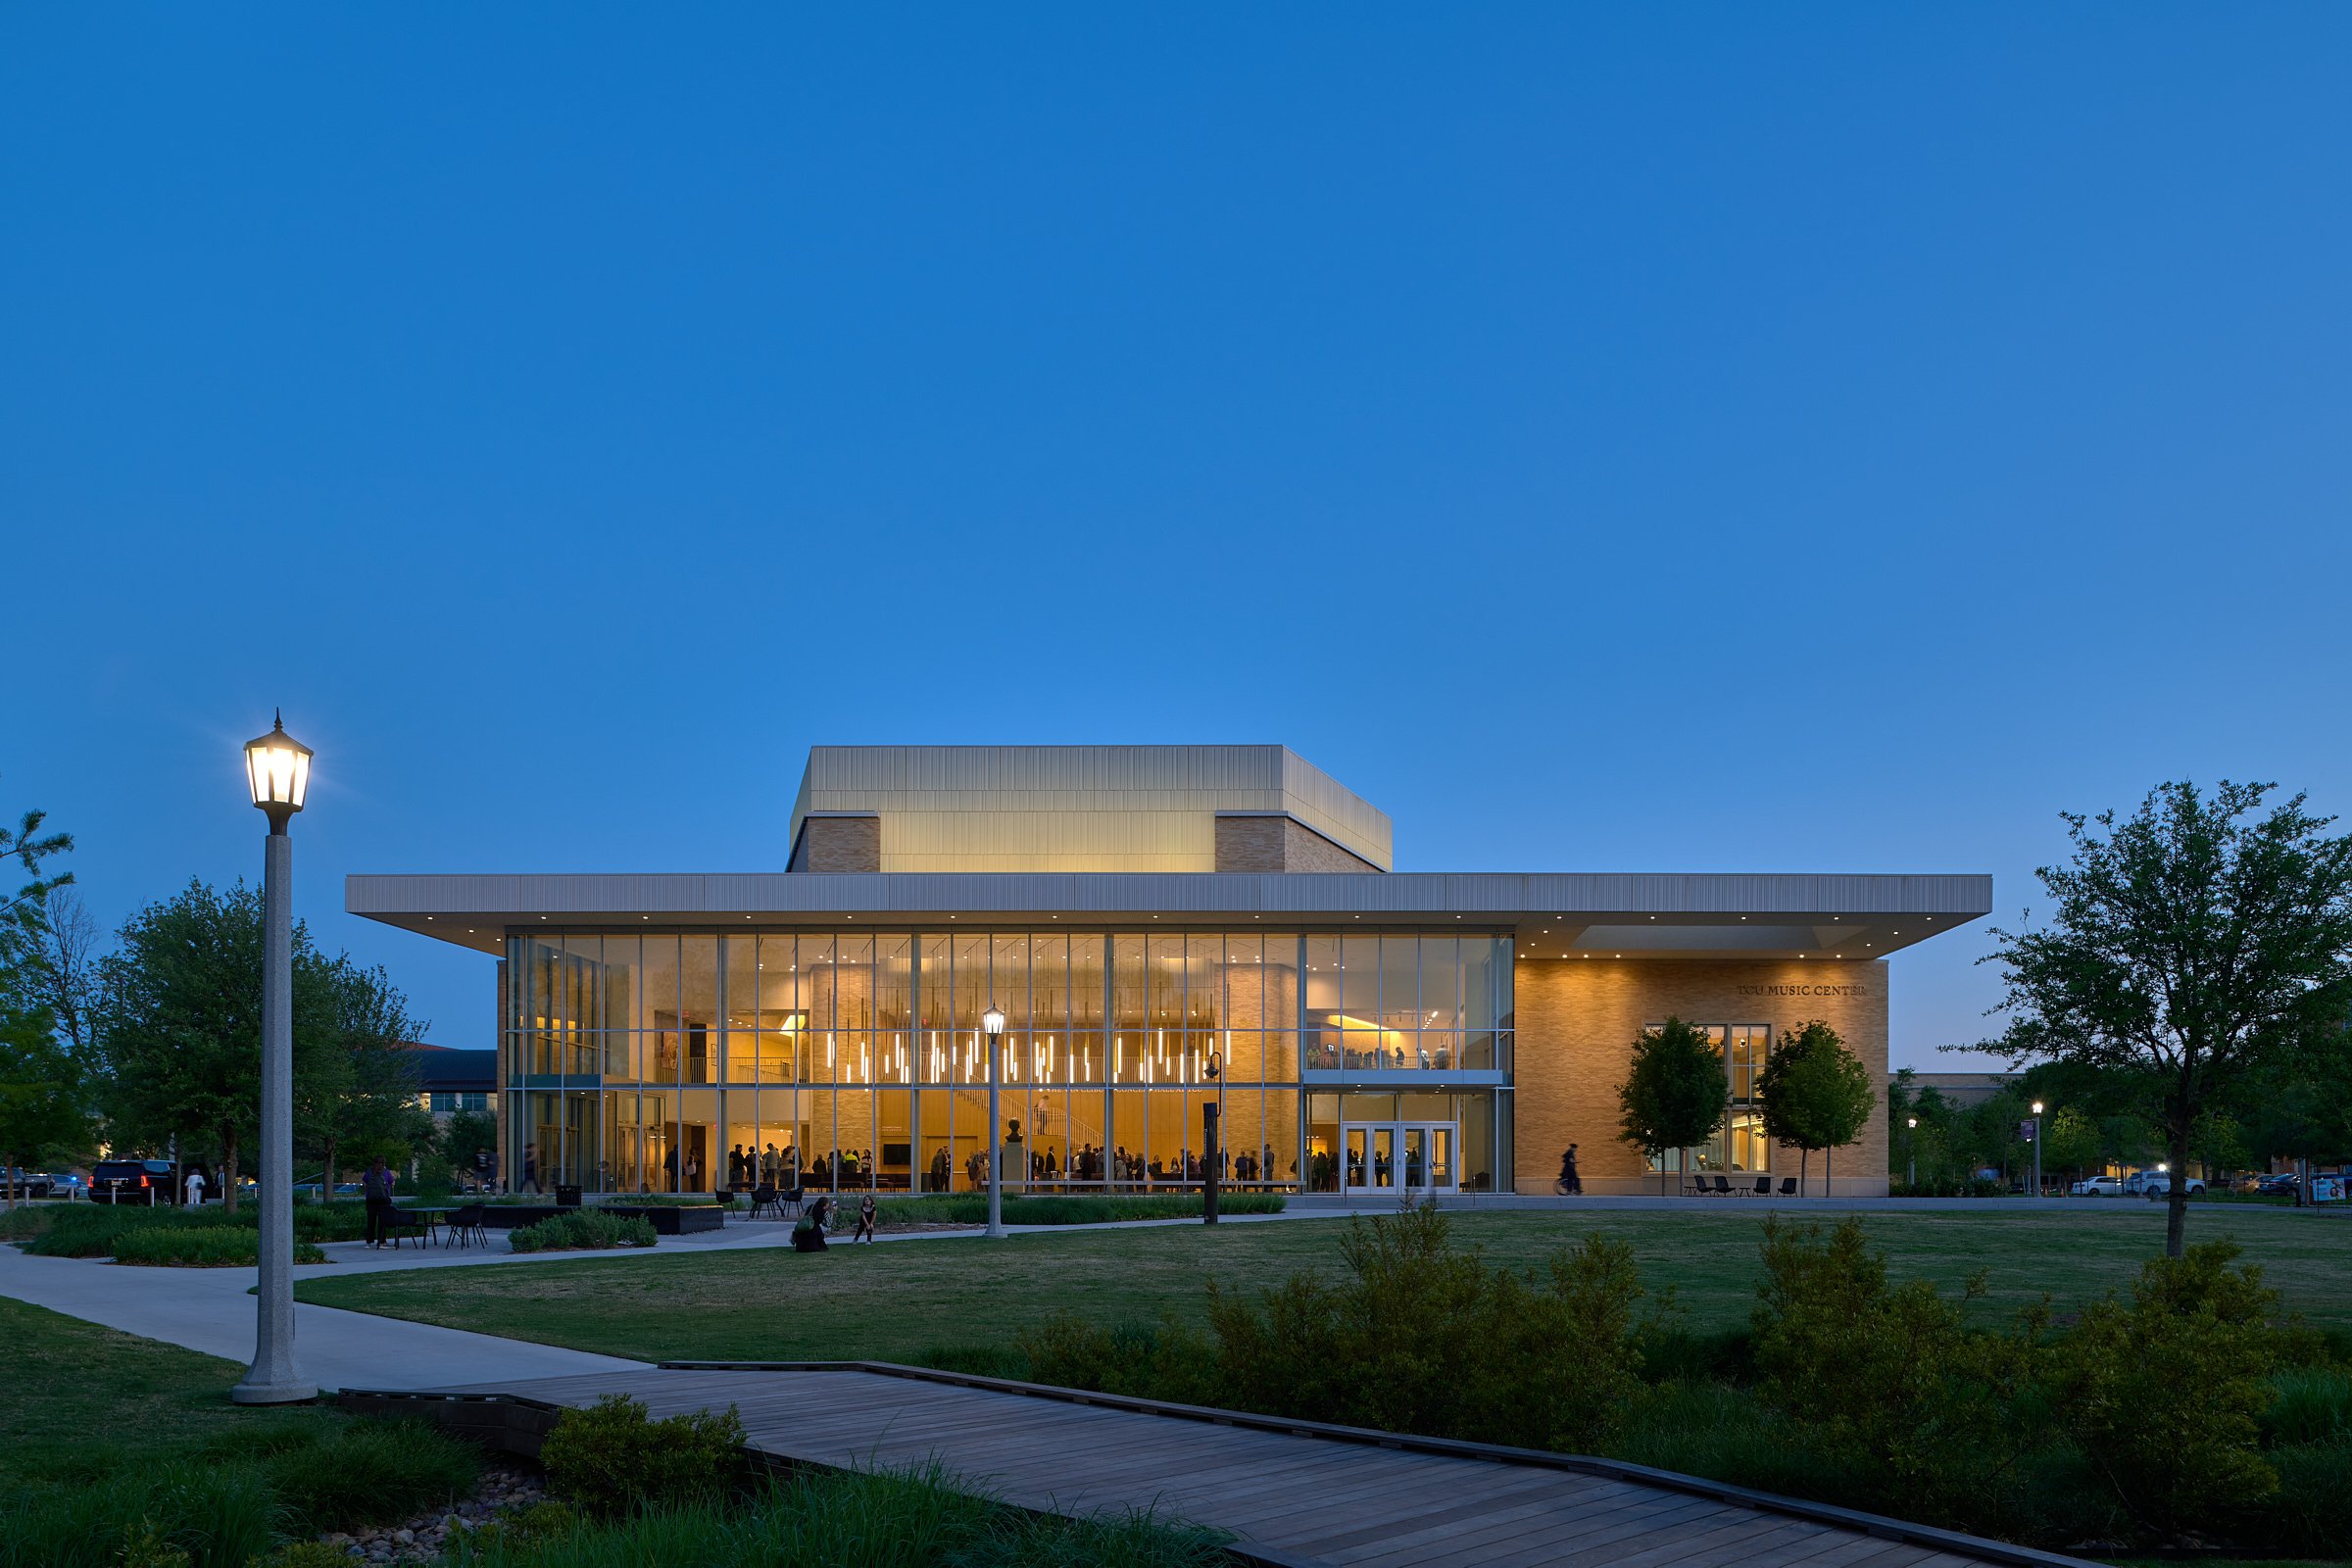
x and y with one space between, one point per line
1553 914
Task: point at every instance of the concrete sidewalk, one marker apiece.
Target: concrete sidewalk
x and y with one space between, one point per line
210 1311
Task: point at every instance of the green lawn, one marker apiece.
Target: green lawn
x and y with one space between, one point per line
85 1401
918 1299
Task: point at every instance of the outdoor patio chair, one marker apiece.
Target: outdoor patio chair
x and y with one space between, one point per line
763 1198
1763 1187
790 1199
1723 1187
465 1226
1788 1187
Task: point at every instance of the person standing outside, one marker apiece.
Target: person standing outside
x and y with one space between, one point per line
866 1220
194 1195
1571 1184
376 1189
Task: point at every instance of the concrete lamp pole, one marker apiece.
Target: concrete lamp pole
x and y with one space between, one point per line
992 1024
278 770
2037 1148
1911 1150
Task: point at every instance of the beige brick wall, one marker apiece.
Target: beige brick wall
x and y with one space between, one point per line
840 844
1264 843
1578 1018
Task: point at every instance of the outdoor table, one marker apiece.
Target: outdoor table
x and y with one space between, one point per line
431 1215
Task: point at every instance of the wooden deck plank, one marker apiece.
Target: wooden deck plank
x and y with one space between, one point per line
1301 1495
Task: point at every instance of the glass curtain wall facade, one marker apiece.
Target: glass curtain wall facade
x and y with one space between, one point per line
653 1062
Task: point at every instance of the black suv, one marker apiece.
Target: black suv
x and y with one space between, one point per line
131 1181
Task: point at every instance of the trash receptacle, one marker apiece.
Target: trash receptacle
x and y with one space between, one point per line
566 1196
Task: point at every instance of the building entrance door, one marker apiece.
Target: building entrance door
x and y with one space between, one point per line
1384 1158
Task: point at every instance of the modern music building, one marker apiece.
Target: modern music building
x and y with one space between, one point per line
1141 914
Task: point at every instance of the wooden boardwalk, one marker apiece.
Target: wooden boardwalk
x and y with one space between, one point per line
1290 1493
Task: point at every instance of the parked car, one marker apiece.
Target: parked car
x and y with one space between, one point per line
2155 1184
2282 1185
131 1181
26 1183
64 1184
2098 1187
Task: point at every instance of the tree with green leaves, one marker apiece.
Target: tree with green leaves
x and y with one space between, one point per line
361 1101
180 1039
1814 1093
2194 942
41 1107
1676 1094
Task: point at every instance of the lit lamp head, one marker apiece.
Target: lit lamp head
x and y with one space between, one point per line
992 1024
2037 1108
278 770
1910 1121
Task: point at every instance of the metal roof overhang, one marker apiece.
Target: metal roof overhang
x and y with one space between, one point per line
1553 914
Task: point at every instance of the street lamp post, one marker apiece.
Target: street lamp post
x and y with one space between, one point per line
992 1024
277 771
1911 1150
2037 1148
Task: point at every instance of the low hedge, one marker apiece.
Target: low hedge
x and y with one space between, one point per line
201 1247
582 1229
1049 1208
91 1229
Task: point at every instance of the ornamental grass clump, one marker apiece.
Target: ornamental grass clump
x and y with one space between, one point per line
582 1229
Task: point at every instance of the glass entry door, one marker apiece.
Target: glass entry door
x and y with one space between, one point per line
1397 1157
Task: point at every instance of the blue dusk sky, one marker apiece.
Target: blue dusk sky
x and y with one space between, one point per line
1631 438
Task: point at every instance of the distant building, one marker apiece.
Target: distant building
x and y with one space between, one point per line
450 1081
1965 1089
1163 927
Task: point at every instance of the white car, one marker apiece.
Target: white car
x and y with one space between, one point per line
2098 1187
2155 1184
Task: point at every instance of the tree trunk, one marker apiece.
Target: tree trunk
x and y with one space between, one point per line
1803 1157
2175 1197
327 1172
1829 1186
228 1173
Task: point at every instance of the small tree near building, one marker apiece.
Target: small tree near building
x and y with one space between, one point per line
2194 942
1814 1093
1677 1093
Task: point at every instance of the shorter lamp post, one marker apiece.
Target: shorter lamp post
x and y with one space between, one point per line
2037 1148
992 1025
1911 1150
1209 1160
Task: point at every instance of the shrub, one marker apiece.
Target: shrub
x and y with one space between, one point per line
371 1472
2162 1396
201 1247
1888 1383
581 1228
610 1459
1419 1338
